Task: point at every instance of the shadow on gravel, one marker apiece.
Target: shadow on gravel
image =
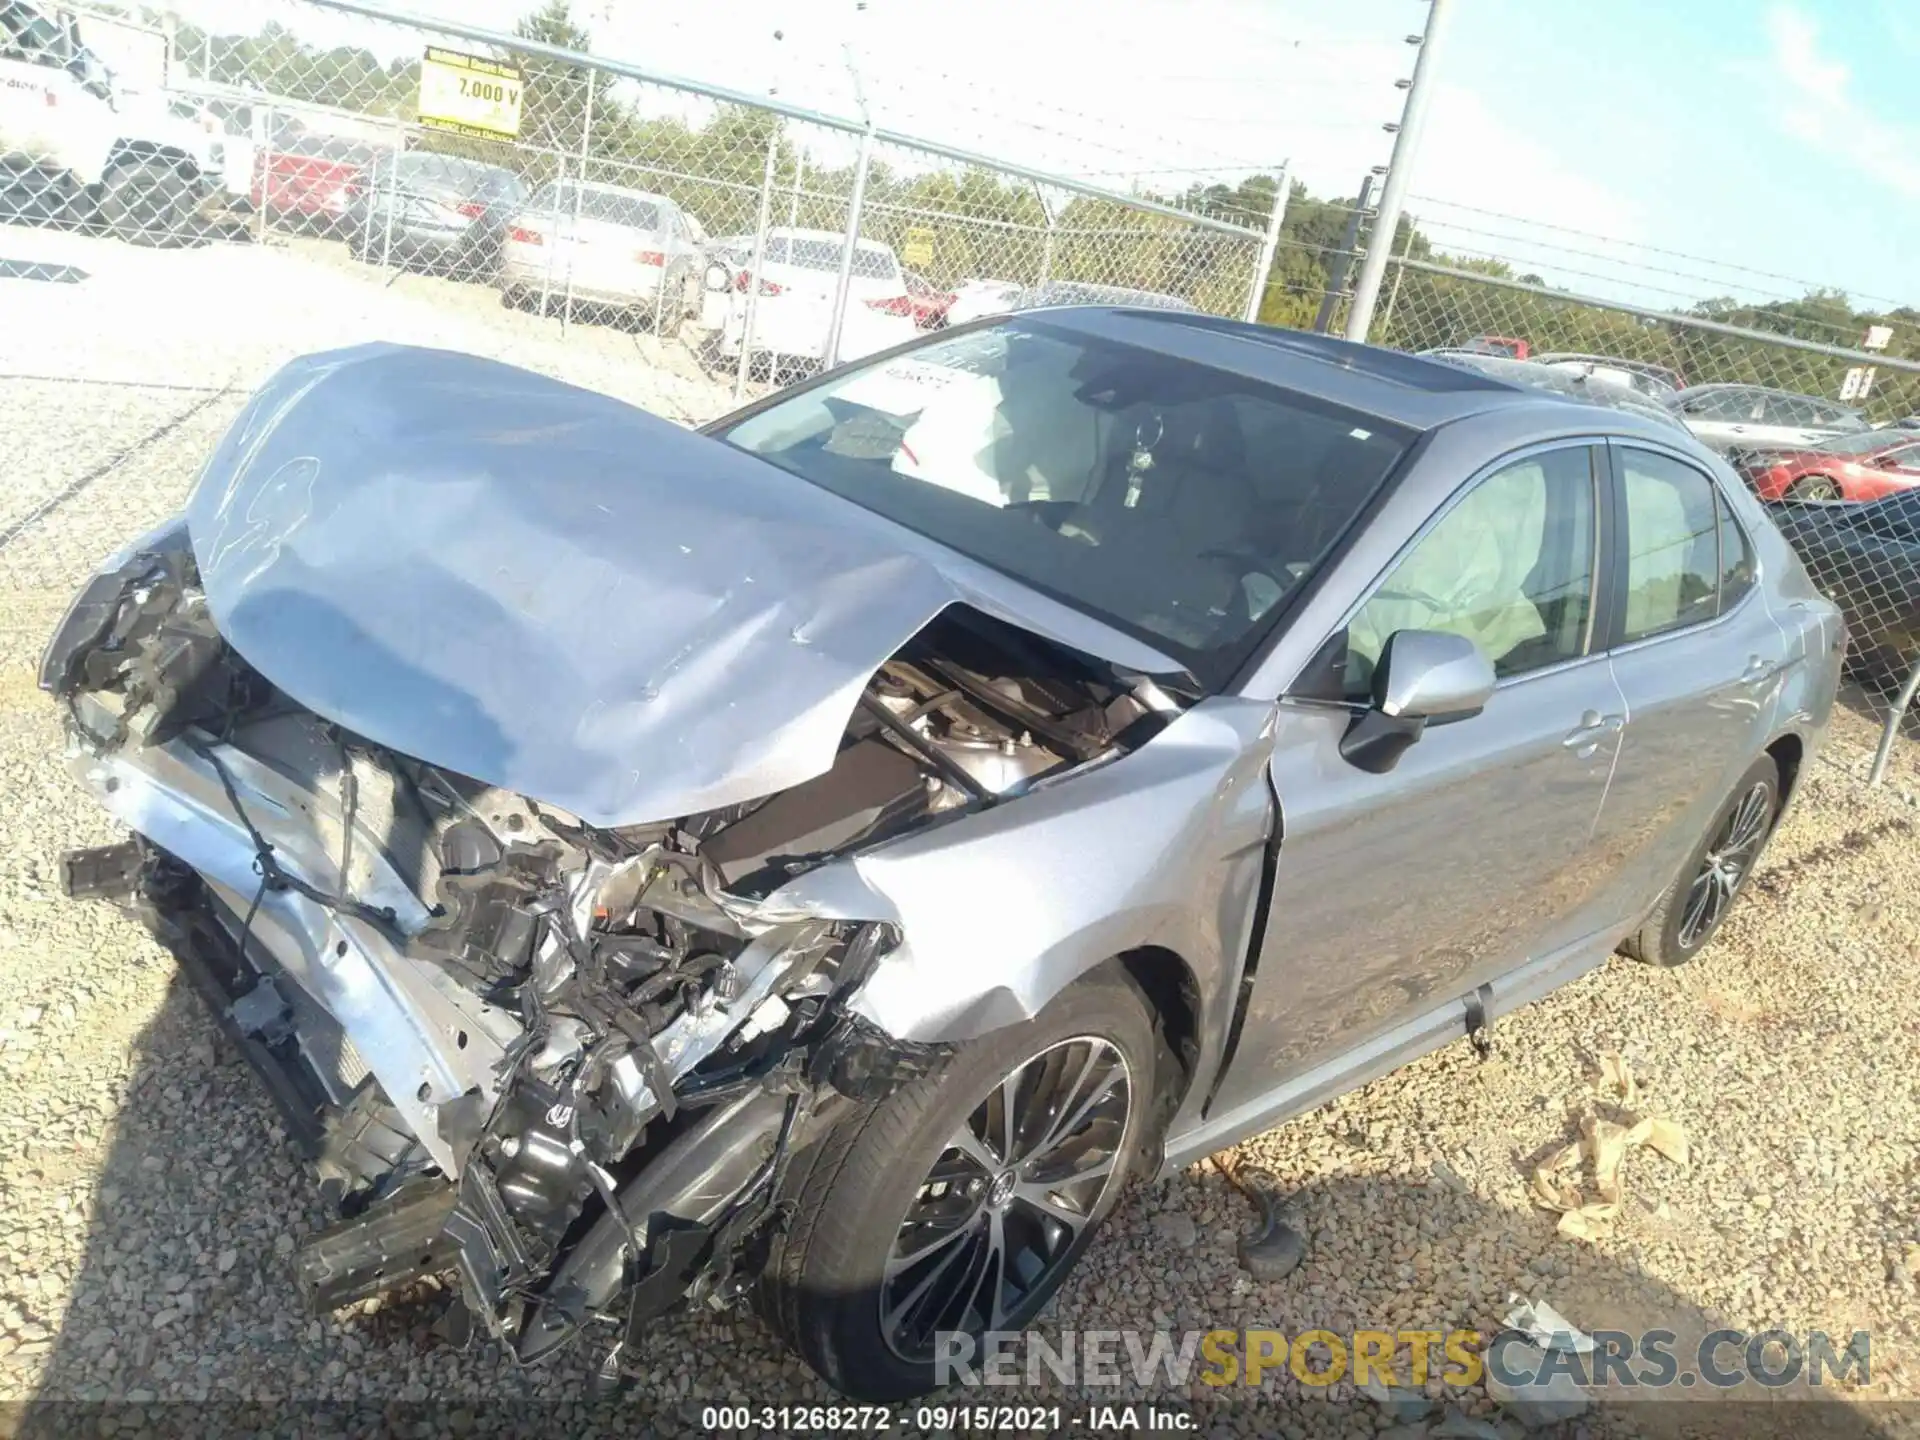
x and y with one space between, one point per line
185 1319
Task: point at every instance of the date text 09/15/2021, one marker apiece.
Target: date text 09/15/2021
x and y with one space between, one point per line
945 1419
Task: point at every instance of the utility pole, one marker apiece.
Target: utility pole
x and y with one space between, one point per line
1349 244
1263 267
1393 196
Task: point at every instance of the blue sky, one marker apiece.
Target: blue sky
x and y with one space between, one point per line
1781 137
1774 143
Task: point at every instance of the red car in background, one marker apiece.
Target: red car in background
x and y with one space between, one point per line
1866 466
310 178
930 303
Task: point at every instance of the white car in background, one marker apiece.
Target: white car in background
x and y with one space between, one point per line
973 299
793 312
607 247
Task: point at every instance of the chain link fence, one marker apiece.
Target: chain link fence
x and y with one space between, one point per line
767 237
1828 435
683 246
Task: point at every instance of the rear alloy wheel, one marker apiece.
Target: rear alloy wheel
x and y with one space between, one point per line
1693 909
958 1204
1813 487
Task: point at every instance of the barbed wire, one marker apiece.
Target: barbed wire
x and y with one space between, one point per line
1426 201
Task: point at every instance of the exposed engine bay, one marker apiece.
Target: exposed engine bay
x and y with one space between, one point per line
495 1029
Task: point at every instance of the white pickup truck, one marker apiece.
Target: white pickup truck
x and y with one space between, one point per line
79 144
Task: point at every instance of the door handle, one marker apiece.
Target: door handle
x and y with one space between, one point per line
1584 739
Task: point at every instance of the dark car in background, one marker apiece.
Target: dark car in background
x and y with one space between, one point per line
1866 558
1867 466
441 212
309 179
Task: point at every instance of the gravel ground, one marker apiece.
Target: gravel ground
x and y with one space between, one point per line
149 1204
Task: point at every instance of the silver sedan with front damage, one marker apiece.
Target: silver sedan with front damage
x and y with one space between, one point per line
829 855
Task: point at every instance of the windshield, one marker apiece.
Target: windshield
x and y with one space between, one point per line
627 210
1179 503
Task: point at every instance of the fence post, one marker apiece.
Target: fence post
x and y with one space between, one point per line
758 262
1878 772
1406 144
266 176
1337 271
1269 244
586 136
553 240
844 289
393 196
799 174
1399 274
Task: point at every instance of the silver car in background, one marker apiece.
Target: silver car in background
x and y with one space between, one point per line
832 853
1753 417
607 248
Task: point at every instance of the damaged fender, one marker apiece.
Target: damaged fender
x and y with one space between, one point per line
1161 848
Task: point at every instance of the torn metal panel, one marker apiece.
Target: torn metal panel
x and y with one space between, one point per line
428 548
1137 851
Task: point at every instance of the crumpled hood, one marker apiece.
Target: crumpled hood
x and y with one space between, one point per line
553 592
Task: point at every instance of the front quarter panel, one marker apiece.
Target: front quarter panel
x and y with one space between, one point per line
1004 908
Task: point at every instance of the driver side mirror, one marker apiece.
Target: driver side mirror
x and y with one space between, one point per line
1424 677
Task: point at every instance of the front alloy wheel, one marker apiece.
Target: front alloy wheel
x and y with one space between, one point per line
960 1201
992 1224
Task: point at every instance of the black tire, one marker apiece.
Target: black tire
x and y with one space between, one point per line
852 1186
147 202
1677 931
1813 487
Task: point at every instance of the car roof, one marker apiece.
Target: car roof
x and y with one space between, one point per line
1391 385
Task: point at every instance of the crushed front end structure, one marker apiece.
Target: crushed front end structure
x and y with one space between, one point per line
475 806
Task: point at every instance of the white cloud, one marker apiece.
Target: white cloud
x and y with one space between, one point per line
1818 108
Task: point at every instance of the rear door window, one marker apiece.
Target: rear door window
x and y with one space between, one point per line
1673 515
